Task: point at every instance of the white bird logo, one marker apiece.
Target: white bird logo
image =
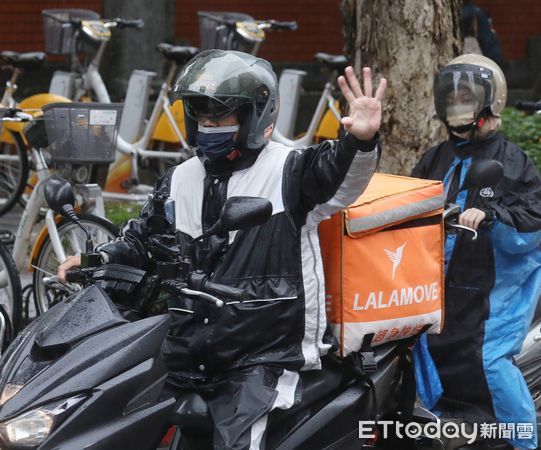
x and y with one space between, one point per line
395 257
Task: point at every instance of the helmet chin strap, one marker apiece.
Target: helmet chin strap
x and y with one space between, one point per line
468 129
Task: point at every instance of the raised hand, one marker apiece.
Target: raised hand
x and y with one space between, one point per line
364 117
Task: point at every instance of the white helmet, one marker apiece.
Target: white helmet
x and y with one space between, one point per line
467 89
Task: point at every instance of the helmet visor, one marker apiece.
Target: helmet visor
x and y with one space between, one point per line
202 107
461 93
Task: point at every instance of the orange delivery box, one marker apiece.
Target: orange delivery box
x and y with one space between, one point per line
383 262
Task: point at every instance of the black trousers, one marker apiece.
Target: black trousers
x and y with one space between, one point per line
239 404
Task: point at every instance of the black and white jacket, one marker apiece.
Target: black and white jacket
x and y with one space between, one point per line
278 263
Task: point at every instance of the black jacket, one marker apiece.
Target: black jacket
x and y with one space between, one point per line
278 263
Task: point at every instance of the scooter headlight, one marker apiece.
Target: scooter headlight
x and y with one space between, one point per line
33 427
10 389
28 430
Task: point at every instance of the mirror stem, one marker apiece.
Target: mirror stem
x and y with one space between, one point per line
70 214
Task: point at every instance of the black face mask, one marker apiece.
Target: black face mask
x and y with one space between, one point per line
216 142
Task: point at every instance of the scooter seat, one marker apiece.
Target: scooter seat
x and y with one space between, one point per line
191 411
332 62
29 60
178 54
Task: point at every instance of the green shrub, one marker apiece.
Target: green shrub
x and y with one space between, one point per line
120 212
523 130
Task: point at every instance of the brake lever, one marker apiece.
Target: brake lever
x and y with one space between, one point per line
54 282
215 300
463 227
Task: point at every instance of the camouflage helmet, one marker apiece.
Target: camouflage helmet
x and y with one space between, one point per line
218 83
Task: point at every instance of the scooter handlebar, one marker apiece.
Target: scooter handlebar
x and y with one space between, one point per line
199 281
529 106
222 290
79 274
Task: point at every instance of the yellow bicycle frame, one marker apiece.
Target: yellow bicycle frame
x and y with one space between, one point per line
33 104
329 126
163 130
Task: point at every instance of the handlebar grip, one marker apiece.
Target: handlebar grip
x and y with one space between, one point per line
75 275
80 274
135 23
528 106
221 290
284 25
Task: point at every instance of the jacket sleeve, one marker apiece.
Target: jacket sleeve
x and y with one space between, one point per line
129 248
323 179
519 205
517 228
509 240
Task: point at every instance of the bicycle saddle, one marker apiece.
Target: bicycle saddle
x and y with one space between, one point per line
29 60
178 54
332 62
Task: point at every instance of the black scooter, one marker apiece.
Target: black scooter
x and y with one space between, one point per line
88 373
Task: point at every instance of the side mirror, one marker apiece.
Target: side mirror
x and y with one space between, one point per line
240 213
60 198
483 173
244 212
58 193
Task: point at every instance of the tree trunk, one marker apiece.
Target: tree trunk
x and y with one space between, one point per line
136 49
405 41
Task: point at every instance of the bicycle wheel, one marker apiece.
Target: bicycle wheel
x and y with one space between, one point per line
73 241
11 296
13 171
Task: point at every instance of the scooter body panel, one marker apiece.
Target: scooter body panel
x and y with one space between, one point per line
82 348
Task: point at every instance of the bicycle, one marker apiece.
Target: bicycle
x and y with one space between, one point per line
97 125
67 32
325 122
11 297
14 162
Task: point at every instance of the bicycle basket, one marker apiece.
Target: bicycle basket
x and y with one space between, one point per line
214 32
58 34
82 132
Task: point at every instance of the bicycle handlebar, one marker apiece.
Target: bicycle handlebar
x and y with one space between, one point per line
132 23
14 115
274 25
279 26
528 106
110 23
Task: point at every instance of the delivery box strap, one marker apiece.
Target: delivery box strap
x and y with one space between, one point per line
361 364
395 215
